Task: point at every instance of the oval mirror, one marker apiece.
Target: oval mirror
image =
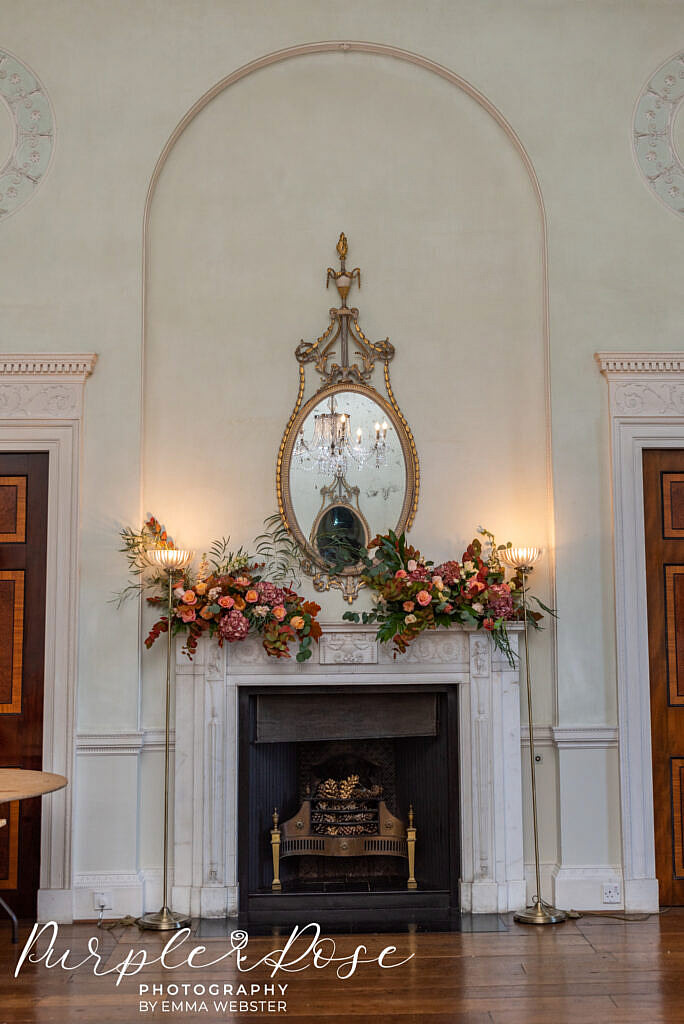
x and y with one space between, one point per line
348 472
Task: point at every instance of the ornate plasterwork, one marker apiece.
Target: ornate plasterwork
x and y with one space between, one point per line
640 362
648 384
74 366
41 386
654 118
34 133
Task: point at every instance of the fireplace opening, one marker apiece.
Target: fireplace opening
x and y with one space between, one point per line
348 803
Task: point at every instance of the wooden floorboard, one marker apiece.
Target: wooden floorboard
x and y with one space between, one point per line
595 969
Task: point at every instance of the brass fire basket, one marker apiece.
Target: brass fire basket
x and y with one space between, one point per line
343 819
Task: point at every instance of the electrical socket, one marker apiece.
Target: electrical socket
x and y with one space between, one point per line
611 893
102 901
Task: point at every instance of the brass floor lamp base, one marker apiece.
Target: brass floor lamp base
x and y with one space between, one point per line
163 920
540 913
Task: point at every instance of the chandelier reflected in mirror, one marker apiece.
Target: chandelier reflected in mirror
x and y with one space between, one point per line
332 450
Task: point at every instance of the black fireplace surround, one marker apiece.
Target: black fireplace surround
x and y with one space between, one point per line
402 739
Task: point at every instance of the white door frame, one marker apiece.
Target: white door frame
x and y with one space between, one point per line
41 409
646 401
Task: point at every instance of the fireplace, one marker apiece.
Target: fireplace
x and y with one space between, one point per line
458 764
367 812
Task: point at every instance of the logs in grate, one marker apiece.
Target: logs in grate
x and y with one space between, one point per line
343 819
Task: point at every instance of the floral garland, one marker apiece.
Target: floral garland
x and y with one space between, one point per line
227 598
413 594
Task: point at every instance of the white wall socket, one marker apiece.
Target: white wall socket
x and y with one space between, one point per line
611 893
102 901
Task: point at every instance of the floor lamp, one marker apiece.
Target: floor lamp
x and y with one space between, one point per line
523 561
171 561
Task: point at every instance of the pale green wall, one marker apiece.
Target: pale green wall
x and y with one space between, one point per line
566 76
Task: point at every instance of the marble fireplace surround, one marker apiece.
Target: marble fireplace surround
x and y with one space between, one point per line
206 753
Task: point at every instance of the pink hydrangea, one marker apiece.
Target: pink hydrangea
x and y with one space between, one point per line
500 602
233 626
419 573
449 571
270 594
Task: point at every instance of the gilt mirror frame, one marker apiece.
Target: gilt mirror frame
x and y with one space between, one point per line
343 373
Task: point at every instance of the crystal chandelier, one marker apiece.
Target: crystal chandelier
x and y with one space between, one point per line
332 450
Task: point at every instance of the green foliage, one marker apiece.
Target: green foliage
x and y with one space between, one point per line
279 552
225 562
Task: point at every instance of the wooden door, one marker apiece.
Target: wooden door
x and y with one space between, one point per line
23 537
664 520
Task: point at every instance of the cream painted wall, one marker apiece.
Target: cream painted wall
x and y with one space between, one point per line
565 75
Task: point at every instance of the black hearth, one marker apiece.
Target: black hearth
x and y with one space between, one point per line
343 765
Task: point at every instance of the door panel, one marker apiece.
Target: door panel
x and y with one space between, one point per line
23 538
664 522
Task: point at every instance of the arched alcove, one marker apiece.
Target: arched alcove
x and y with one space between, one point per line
444 216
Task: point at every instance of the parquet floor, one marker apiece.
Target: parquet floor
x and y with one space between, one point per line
594 969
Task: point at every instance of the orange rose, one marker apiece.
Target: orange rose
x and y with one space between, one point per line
200 588
226 602
408 606
252 596
279 612
423 598
189 597
242 581
205 612
297 622
239 604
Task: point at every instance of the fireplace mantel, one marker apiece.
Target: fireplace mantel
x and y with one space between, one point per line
205 803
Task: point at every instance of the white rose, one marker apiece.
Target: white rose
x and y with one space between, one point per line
479 608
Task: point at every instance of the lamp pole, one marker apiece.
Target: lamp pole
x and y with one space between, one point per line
171 560
540 912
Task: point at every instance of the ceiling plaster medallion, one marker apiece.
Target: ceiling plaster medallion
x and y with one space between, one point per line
654 119
34 133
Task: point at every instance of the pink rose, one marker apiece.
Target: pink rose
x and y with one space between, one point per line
408 606
279 612
423 598
401 574
411 565
448 607
188 614
226 602
189 597
475 587
437 580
